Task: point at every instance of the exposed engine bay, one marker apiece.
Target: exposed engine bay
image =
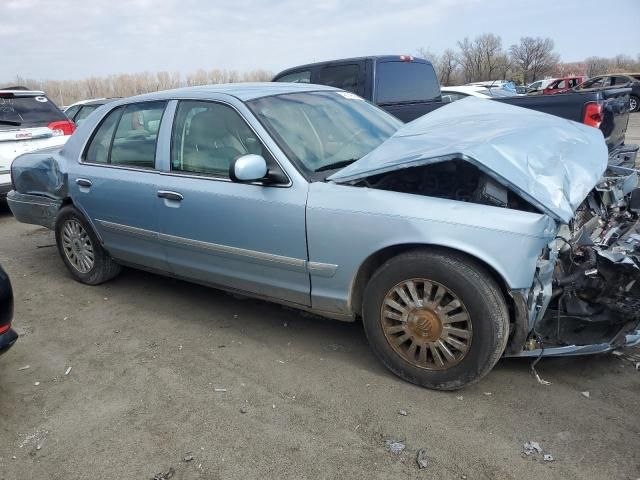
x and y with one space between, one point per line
587 285
453 180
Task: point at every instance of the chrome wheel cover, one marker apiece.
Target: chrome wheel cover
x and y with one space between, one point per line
426 324
77 246
633 104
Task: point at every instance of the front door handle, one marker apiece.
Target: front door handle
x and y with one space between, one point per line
83 182
175 196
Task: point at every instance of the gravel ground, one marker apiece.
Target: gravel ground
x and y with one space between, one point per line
305 398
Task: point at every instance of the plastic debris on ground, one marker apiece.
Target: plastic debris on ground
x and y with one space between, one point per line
532 448
630 355
396 447
164 475
188 457
403 413
548 458
586 394
25 367
421 458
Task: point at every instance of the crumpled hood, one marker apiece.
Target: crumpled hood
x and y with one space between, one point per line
551 162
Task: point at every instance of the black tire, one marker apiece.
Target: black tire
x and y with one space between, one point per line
632 99
103 268
464 278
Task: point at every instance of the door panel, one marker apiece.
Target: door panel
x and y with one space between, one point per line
247 237
113 189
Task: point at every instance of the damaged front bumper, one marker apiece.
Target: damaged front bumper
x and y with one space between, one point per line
585 298
628 340
34 209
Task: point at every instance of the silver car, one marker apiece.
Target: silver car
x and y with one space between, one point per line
476 231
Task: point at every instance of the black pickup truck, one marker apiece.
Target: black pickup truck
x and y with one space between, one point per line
408 87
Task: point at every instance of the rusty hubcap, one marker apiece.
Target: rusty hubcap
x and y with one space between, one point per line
426 324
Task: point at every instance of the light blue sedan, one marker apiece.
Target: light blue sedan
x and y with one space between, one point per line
455 237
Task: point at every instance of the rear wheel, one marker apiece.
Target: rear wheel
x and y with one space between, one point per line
80 249
634 103
436 319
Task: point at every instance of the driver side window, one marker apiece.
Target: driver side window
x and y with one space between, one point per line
208 136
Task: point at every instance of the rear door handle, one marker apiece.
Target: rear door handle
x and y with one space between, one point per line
83 182
175 196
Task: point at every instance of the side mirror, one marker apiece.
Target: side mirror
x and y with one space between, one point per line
248 168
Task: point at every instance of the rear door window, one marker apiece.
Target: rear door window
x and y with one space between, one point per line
296 77
346 77
406 82
134 143
619 81
127 136
29 111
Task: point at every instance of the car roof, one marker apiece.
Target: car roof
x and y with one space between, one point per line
241 91
100 101
377 58
23 93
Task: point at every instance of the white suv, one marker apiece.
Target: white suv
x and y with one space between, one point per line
28 121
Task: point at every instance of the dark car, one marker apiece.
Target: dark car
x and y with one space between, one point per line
617 80
8 336
81 110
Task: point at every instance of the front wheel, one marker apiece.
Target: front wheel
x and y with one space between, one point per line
436 319
634 103
80 249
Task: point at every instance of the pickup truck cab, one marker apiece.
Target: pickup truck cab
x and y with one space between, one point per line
404 86
408 88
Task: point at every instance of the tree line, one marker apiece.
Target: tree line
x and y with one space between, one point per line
481 58
66 92
532 58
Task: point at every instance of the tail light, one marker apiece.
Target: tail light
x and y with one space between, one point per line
593 114
4 328
64 127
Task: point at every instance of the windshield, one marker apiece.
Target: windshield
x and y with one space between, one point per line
324 130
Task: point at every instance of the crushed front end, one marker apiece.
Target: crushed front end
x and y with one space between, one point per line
586 295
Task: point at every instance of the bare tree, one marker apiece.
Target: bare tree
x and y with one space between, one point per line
596 66
448 68
482 58
534 57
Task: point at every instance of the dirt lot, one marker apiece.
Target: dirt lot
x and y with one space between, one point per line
148 352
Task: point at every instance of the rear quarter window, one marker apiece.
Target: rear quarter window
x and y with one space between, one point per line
406 82
32 111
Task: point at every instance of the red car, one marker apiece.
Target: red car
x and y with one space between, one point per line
561 85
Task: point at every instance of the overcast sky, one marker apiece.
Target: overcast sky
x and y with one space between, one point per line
61 39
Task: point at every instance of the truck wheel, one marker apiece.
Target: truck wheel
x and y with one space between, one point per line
634 103
80 249
436 319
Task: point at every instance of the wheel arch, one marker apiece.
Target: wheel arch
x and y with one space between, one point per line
376 259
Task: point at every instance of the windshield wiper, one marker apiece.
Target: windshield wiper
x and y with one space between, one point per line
340 164
15 123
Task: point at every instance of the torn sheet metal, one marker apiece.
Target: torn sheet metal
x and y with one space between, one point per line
551 162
